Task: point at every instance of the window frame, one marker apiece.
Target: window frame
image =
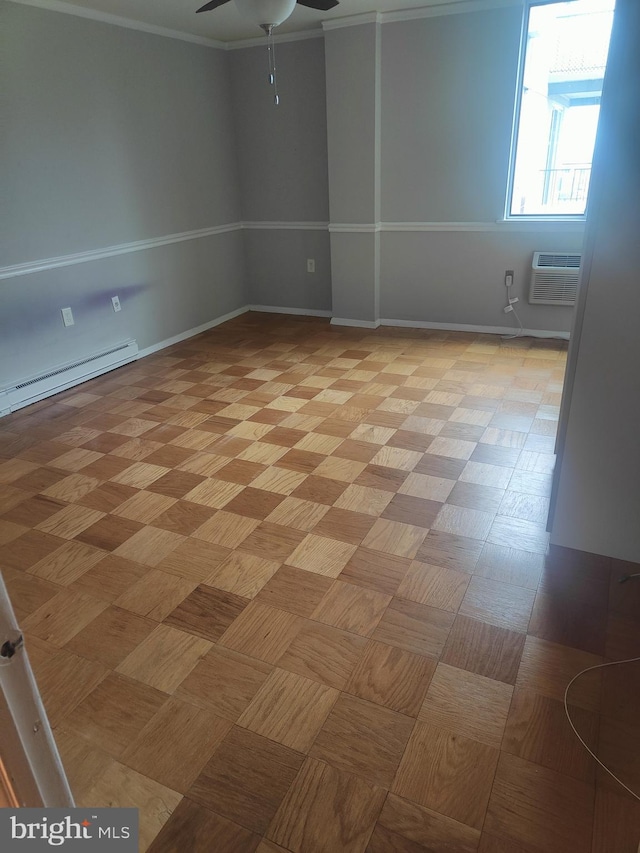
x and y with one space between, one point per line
515 131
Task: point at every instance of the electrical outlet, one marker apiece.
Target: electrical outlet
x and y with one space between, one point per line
67 316
116 304
311 265
508 278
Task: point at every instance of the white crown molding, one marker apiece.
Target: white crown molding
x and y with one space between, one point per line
448 9
118 21
352 21
463 327
279 38
285 226
301 35
277 309
421 12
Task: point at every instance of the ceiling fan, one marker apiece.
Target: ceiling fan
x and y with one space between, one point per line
269 14
272 12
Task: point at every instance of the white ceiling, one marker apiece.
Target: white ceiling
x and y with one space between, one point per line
226 23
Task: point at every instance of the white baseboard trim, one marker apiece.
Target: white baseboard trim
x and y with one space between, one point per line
265 309
190 333
197 330
277 309
463 327
359 324
6 406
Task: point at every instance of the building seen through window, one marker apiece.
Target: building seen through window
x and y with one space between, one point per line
559 106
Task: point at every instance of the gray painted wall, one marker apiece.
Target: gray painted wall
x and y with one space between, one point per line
282 151
351 121
353 128
458 277
282 159
113 136
117 136
598 498
276 268
163 291
448 92
353 275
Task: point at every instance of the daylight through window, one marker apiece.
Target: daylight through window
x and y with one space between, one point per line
559 104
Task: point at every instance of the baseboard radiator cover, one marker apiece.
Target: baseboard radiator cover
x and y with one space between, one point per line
63 376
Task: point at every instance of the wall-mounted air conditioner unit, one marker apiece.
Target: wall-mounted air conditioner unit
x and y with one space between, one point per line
554 278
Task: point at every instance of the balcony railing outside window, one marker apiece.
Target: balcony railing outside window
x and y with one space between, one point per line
569 184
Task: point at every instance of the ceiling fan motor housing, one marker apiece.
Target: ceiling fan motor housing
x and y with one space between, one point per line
264 12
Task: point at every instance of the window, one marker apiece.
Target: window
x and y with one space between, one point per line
565 55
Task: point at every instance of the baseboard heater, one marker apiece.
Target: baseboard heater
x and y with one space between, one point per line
554 278
64 376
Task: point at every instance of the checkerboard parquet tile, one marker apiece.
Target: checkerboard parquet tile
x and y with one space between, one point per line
288 587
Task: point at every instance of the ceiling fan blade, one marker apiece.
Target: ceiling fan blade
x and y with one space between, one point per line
320 5
212 5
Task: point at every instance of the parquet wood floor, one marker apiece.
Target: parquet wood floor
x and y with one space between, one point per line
287 587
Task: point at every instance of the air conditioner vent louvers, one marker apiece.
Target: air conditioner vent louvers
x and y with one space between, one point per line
546 259
554 278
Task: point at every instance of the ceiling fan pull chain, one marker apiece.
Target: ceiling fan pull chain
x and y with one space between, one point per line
273 77
269 31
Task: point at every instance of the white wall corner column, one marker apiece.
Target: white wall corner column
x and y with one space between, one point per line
597 496
352 61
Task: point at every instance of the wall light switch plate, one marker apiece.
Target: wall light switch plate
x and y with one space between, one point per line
115 301
311 265
67 316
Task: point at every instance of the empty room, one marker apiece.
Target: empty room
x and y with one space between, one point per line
319 406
